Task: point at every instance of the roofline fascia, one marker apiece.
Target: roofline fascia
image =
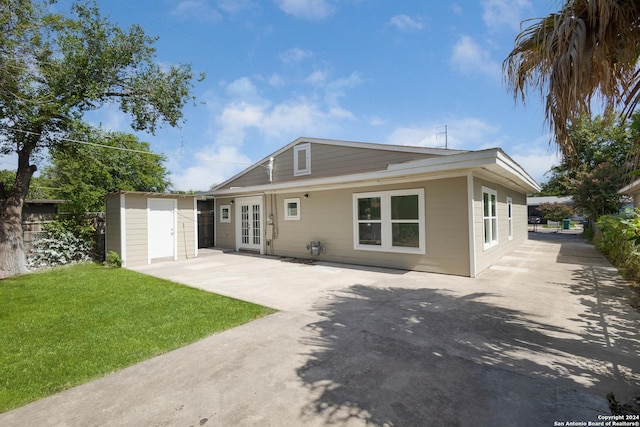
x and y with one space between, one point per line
353 144
402 172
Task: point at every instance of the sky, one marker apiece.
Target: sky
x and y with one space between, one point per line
404 72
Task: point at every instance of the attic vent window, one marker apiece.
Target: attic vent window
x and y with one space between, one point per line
302 159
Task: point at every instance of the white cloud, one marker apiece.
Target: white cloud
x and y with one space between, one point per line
456 9
509 13
308 9
197 9
316 78
212 166
243 89
276 80
469 57
406 23
470 133
295 55
536 157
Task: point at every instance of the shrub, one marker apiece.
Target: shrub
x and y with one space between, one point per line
619 240
57 247
113 259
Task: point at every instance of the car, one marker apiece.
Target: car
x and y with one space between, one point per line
535 220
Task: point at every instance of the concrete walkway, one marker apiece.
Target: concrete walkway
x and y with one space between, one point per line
541 337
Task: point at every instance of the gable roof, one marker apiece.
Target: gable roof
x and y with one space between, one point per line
342 143
493 163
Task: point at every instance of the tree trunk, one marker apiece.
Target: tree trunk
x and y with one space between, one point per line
12 256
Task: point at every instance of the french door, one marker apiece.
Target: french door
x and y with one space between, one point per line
249 223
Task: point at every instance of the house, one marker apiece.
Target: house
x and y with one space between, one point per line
146 227
426 209
632 190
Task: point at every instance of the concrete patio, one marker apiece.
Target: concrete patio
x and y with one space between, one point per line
540 337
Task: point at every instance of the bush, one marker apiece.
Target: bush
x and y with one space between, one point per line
113 259
619 240
58 247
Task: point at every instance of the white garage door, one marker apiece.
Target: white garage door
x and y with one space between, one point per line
162 223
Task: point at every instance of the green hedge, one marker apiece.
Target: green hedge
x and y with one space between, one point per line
618 238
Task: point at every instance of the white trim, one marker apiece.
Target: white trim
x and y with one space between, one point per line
433 168
228 218
493 216
353 144
472 225
386 222
509 218
295 217
123 231
306 148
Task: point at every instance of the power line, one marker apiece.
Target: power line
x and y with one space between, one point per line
132 150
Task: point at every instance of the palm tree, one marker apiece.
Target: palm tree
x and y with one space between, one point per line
587 51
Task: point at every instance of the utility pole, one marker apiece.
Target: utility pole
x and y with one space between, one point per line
446 136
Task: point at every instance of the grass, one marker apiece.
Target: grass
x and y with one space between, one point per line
66 326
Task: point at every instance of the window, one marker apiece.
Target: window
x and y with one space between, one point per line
490 217
389 221
225 213
302 159
510 218
291 209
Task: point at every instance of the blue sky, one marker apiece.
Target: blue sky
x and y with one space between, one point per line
365 70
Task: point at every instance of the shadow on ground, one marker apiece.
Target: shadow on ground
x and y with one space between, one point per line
427 357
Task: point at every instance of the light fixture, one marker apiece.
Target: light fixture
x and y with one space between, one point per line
306 196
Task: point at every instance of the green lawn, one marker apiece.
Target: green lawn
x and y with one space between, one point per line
66 326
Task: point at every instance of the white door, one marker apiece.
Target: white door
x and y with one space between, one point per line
249 224
161 220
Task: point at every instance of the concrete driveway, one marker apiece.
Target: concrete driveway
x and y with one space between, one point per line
541 337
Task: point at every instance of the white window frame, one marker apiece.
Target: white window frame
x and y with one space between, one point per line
386 221
287 216
491 219
222 216
509 218
302 150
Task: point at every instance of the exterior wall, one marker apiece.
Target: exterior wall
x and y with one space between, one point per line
136 230
187 228
486 257
113 224
328 216
326 160
225 232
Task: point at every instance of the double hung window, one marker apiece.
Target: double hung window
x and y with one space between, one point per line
489 217
389 221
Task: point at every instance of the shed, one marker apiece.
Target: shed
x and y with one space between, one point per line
145 227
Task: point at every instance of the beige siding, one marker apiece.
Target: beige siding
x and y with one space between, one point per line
225 237
487 257
113 225
136 227
328 216
187 228
326 161
136 230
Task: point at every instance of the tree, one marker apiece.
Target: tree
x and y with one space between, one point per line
54 68
555 211
590 48
599 167
92 163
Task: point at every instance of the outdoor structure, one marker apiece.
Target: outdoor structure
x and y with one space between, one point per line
147 227
427 209
533 206
36 213
632 190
